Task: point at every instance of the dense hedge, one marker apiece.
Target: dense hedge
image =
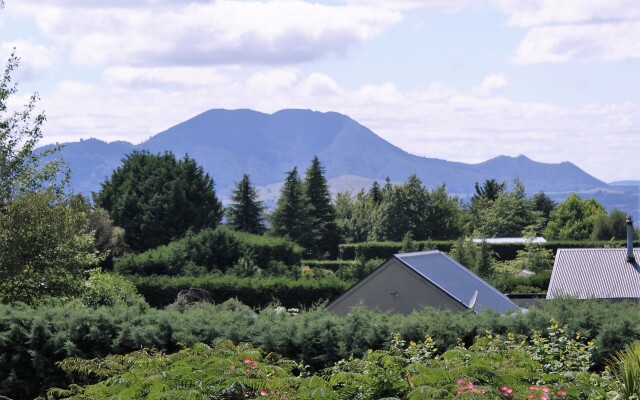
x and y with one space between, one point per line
209 250
32 340
503 251
257 292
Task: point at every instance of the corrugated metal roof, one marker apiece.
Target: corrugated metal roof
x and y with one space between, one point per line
456 280
595 273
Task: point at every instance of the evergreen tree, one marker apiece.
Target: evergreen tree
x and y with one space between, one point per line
325 236
157 199
246 211
542 203
375 194
291 216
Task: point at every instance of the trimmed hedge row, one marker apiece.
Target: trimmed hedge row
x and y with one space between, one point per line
257 292
32 340
210 250
503 251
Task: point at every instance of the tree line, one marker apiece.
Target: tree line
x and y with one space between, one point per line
50 237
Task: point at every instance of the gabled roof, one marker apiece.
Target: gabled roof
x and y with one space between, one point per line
595 273
456 280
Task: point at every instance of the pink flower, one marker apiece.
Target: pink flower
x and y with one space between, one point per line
545 389
232 367
254 365
459 381
506 390
562 393
246 360
263 393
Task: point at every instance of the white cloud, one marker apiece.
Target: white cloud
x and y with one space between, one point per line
163 78
34 58
528 13
206 33
441 5
586 30
555 44
491 84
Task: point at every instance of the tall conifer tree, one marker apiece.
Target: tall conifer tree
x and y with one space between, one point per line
291 216
245 211
326 236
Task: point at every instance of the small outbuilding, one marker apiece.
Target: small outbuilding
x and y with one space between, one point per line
410 281
597 273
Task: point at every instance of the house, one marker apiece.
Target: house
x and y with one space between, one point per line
410 281
597 273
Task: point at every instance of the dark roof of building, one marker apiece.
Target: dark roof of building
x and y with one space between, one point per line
456 280
595 273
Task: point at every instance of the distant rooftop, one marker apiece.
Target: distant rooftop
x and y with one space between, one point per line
538 239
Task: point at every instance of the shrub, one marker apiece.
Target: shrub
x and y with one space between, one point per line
209 250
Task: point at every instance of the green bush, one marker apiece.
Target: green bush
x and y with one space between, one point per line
256 292
209 250
510 283
33 340
104 289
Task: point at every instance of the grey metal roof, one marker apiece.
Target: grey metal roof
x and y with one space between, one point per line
537 239
456 280
595 273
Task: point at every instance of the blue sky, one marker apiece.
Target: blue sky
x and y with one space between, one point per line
462 80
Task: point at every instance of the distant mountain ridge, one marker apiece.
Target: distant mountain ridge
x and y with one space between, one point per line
229 143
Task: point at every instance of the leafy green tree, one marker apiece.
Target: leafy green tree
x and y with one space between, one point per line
356 216
412 207
510 215
44 242
403 209
157 199
573 219
444 216
611 226
291 217
23 170
45 248
325 233
246 211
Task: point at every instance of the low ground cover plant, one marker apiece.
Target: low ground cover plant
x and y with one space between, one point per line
494 367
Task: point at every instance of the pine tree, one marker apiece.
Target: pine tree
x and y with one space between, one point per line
325 234
291 216
245 211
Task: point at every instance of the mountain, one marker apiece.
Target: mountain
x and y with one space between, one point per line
229 143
